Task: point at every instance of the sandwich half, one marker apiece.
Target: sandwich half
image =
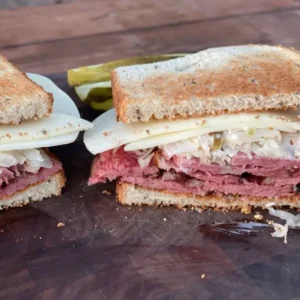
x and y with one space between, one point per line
29 175
218 128
28 171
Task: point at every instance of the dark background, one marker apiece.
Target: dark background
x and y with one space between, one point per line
106 251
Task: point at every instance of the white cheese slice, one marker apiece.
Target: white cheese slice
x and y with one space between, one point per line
108 134
285 121
46 132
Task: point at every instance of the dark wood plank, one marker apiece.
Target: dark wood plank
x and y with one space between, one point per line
107 251
84 18
52 57
12 4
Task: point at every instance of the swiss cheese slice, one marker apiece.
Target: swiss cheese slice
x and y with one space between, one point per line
108 133
286 122
58 129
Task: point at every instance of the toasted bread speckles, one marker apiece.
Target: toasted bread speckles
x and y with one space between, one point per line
20 98
218 80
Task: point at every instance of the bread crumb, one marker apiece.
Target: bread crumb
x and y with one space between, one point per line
60 224
106 192
198 209
203 276
270 222
40 237
105 133
125 217
258 216
165 219
2 230
246 210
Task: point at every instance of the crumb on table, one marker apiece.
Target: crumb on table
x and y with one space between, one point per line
258 216
246 210
106 192
60 224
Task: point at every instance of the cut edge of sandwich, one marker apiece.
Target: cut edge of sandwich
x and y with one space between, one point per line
132 194
35 192
21 98
209 83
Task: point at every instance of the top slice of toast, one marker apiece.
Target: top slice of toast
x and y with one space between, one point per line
20 98
214 81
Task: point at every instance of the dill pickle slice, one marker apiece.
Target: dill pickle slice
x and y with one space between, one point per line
98 92
105 105
218 141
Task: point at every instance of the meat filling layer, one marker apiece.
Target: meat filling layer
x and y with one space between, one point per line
258 176
16 178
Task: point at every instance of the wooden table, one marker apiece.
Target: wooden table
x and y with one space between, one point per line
106 251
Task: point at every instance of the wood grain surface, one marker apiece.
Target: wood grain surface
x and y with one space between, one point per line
107 251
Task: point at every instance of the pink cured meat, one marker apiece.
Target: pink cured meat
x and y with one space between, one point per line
259 176
16 178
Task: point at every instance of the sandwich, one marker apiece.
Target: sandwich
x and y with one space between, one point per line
28 126
216 129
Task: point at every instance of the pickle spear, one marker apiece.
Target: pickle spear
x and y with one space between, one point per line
97 92
100 73
105 105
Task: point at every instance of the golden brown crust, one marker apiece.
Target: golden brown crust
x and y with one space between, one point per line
17 90
227 202
119 97
266 75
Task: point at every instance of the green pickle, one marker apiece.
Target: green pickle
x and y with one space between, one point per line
97 92
218 141
251 131
105 105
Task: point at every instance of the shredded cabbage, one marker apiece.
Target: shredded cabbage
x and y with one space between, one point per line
292 221
280 231
181 147
145 157
261 142
32 159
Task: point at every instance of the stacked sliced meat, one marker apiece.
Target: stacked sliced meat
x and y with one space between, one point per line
258 176
16 178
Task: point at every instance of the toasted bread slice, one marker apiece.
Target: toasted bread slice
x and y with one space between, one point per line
35 192
214 81
131 194
20 98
